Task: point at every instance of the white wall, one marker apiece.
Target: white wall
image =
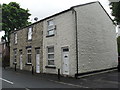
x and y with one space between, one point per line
96 39
64 36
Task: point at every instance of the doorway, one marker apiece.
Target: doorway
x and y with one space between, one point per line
65 60
37 60
21 60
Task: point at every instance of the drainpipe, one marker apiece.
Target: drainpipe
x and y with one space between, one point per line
76 43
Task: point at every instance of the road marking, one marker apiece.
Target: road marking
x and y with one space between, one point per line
69 84
6 81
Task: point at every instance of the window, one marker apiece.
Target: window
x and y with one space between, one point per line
30 33
65 50
51 28
29 57
50 56
15 55
15 38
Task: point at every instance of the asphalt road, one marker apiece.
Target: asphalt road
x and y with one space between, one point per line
12 79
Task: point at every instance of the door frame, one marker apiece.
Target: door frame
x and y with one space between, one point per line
66 47
36 60
20 53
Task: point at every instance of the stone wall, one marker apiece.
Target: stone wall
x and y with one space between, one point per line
36 42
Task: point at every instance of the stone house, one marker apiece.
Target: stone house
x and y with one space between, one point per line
26 47
77 41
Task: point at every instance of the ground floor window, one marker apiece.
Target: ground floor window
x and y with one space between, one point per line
15 55
29 56
50 56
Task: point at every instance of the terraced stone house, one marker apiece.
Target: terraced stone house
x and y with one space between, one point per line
26 47
79 40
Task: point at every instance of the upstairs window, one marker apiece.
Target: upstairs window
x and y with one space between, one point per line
51 28
50 56
30 33
50 23
15 38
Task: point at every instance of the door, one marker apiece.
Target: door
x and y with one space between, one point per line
66 61
37 61
21 62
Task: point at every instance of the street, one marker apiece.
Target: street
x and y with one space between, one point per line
24 79
19 80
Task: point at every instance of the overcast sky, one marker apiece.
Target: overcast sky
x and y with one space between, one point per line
45 8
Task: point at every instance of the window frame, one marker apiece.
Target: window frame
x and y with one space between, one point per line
30 33
15 38
15 56
29 53
51 27
50 59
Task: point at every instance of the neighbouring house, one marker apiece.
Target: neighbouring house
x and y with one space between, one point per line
79 40
5 54
26 47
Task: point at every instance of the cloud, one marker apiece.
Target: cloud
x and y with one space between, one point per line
44 8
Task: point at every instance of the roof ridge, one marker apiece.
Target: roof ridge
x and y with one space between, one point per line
85 4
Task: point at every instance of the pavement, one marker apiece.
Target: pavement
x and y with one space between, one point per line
110 79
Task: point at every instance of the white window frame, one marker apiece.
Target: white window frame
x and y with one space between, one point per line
30 31
29 53
50 53
50 27
15 38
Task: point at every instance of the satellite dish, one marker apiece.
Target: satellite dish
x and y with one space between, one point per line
35 18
